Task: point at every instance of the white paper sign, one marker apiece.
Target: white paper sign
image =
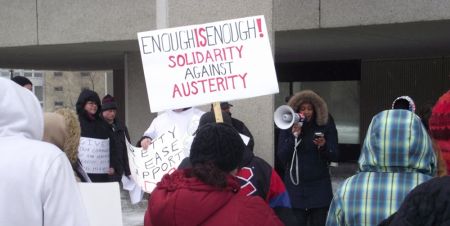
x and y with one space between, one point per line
163 156
102 202
204 63
94 155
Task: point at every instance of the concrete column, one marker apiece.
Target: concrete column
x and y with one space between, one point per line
138 116
256 113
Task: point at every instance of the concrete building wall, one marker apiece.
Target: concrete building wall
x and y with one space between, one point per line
138 116
344 13
311 14
18 23
66 21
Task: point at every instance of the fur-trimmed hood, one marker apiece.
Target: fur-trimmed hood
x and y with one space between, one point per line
62 129
320 106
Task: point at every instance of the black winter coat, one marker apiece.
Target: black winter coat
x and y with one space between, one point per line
426 205
314 189
120 133
95 127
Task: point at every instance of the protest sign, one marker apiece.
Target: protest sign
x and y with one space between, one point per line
94 155
163 156
204 63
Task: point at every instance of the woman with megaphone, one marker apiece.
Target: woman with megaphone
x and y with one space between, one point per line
306 147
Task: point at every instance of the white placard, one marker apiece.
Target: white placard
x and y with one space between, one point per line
102 202
205 63
94 155
163 156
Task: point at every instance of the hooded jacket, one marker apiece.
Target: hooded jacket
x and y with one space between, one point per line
62 129
396 156
95 127
38 186
182 200
314 187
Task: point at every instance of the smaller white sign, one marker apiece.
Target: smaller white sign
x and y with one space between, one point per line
94 155
161 157
102 202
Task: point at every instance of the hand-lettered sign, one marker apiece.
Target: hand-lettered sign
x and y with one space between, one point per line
205 63
94 155
163 156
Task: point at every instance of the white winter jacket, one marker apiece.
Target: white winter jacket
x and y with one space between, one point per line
37 183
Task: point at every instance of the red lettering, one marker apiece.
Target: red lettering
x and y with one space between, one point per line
176 90
201 32
172 59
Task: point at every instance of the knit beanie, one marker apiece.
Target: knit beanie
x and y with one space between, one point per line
218 143
439 125
108 102
21 80
440 118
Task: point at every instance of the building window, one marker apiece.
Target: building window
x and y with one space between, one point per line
85 73
39 92
59 103
38 74
57 73
28 74
58 88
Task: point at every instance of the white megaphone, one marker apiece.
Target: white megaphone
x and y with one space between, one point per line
284 117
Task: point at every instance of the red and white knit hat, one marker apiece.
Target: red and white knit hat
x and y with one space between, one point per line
439 125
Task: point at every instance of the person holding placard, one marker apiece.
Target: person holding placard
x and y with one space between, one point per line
208 193
183 121
97 151
38 185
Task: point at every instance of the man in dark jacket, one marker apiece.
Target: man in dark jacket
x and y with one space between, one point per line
120 132
95 135
238 125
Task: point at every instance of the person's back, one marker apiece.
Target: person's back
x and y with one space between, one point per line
38 186
396 156
207 193
426 205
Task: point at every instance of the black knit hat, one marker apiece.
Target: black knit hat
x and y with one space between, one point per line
21 80
108 102
218 143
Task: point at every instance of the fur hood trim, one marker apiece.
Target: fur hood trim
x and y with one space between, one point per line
62 128
320 106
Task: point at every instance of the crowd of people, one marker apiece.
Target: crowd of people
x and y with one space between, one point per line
401 178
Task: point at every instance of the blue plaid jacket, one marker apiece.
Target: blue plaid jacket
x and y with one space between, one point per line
396 156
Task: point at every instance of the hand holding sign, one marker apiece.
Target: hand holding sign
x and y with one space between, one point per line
162 156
